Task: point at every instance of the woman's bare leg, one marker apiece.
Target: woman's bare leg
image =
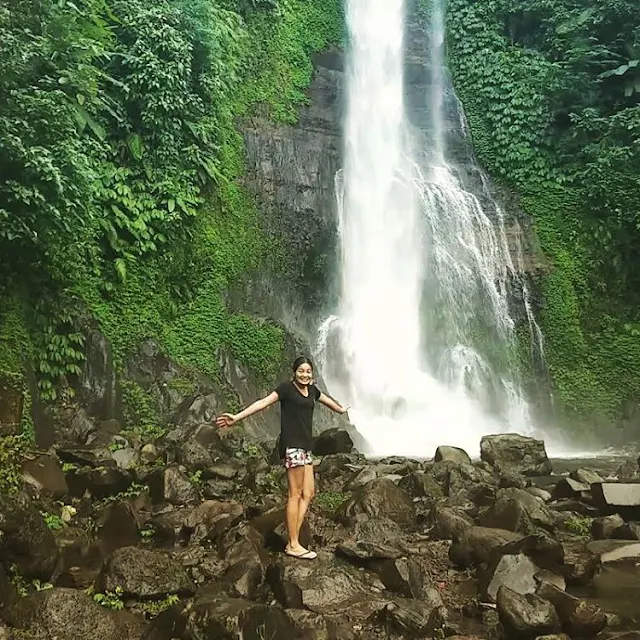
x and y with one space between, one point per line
308 491
296 477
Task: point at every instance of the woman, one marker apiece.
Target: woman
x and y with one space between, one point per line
297 401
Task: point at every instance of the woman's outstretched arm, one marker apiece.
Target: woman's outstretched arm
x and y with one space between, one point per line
332 404
227 419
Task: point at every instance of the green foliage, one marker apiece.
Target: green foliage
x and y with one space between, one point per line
549 90
110 599
12 449
331 501
154 608
139 412
579 526
54 522
120 173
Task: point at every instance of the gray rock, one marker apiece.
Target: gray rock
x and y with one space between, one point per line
586 476
323 586
517 572
605 527
215 614
119 527
149 453
525 616
126 459
516 453
517 510
475 545
172 485
537 492
453 454
618 568
569 488
100 482
45 475
142 573
374 539
414 618
381 498
401 575
448 523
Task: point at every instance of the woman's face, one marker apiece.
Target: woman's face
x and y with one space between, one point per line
304 374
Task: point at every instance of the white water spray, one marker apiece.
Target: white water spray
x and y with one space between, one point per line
422 344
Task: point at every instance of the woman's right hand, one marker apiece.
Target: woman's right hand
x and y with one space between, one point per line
225 420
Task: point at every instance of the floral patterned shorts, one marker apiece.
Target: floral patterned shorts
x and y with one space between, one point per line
297 458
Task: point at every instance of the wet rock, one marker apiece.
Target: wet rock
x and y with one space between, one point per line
332 441
374 539
627 531
381 498
25 539
79 563
100 482
272 527
45 475
419 484
414 618
470 481
216 615
401 575
194 456
212 518
525 616
8 592
556 580
575 507
474 545
517 572
172 485
604 527
579 618
452 454
313 626
569 488
545 551
323 585
119 527
70 614
516 453
628 470
579 562
141 573
86 456
618 568
517 510
448 523
586 476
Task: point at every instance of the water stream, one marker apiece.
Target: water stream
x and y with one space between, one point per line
423 343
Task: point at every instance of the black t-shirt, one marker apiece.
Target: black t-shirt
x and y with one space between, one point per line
296 416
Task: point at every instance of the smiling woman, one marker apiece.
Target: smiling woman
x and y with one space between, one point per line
297 398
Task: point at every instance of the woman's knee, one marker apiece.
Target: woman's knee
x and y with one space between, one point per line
308 493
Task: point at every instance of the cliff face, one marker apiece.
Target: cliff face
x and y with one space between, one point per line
291 171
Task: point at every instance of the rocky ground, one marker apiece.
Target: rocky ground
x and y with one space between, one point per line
183 539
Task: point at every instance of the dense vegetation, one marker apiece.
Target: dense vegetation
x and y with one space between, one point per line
121 162
552 92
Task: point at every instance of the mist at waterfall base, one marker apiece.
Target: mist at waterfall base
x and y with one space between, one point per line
423 268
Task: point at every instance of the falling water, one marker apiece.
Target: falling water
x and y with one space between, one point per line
422 345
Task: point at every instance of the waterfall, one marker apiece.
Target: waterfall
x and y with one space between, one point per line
423 344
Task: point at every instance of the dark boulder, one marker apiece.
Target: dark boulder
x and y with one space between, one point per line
25 538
